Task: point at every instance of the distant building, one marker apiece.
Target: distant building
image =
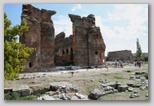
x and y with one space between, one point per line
123 55
144 55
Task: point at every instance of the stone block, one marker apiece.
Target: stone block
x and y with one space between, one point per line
65 86
96 93
80 96
130 89
47 97
122 88
8 90
25 90
138 76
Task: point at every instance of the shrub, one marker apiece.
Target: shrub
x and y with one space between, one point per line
15 96
146 75
11 96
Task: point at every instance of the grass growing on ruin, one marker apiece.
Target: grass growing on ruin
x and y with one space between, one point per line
87 81
124 96
145 75
116 96
90 86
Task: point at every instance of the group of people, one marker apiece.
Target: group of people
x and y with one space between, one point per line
118 64
137 63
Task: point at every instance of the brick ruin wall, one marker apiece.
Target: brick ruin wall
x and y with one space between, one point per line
124 55
40 36
85 47
64 50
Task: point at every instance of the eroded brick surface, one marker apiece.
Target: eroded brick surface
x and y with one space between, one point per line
85 47
123 55
40 36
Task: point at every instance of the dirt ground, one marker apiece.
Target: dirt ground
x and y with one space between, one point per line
86 80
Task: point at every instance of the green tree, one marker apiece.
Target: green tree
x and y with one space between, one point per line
15 53
139 50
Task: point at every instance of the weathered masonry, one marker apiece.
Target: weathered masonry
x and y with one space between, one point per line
40 36
123 55
85 47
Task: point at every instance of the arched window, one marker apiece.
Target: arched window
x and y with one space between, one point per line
63 52
96 52
67 51
30 65
72 56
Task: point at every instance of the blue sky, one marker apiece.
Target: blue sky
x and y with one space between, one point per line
120 24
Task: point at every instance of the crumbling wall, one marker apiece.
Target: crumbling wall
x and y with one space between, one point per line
84 47
89 45
40 36
47 39
63 50
123 55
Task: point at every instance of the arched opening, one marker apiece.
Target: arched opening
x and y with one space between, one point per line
63 52
96 52
30 64
96 58
67 51
72 56
55 60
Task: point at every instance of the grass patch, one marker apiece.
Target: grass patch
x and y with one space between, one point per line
118 77
145 75
116 96
56 80
32 97
129 71
90 86
11 96
136 70
16 96
125 95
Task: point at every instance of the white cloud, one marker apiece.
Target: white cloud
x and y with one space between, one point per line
123 25
63 24
120 28
77 6
135 15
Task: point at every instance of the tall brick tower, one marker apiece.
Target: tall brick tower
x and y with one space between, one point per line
40 36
